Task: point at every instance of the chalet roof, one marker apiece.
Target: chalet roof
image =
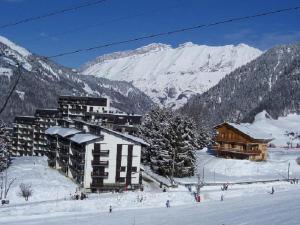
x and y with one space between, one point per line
249 131
62 131
82 138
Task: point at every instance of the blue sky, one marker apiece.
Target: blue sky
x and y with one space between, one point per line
117 20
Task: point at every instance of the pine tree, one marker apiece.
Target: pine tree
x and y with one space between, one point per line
172 137
4 156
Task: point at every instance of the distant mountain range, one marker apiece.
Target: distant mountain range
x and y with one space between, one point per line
210 84
43 81
171 75
271 82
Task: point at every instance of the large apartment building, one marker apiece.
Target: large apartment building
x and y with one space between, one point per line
78 107
28 136
29 131
98 158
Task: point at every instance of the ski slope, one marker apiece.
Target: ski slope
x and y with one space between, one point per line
282 208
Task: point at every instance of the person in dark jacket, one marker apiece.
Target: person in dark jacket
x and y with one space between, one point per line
110 209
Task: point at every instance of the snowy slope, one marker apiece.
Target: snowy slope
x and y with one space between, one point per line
46 183
285 129
170 75
259 208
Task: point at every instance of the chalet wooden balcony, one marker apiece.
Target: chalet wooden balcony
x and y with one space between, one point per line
230 140
101 175
101 152
99 163
236 151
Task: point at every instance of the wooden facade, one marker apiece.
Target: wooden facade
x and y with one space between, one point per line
231 142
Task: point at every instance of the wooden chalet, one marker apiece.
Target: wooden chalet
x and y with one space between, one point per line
239 141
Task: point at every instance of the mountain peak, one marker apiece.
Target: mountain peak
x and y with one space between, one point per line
171 75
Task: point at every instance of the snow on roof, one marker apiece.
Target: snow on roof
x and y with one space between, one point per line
250 131
61 131
81 138
127 136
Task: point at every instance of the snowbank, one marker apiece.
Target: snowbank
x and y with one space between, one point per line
47 183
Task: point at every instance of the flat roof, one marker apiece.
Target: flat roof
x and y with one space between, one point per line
82 138
62 131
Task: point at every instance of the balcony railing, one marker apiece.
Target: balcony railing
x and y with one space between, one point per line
237 151
101 152
96 174
96 184
99 163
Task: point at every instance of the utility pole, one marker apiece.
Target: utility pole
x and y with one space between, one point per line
289 171
173 168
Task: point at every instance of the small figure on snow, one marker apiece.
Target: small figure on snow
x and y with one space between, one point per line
110 209
272 191
164 190
222 198
168 204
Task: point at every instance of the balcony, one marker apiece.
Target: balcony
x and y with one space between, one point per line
99 163
236 151
96 184
102 175
101 152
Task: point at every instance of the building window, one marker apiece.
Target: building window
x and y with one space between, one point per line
123 169
134 169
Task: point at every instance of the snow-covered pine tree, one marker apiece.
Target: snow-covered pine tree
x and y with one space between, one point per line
171 137
4 156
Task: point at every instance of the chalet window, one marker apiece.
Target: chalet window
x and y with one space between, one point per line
123 169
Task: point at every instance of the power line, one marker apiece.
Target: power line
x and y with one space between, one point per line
86 4
12 90
174 31
85 27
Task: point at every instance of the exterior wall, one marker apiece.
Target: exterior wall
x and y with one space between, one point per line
88 169
111 143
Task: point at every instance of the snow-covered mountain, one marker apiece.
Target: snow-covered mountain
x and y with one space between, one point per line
43 80
271 82
171 75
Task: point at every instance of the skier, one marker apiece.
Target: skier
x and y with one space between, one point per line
168 204
110 209
222 198
164 190
272 191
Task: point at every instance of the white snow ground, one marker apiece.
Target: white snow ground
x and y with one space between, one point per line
233 170
282 208
278 128
47 183
243 204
